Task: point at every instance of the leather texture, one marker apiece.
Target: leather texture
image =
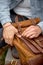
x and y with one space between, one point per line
30 50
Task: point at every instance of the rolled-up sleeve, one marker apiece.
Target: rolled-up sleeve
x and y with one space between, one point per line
4 12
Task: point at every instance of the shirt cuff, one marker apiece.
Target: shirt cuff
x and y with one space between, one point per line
41 25
5 20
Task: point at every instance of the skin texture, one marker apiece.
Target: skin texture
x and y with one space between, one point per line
32 31
8 33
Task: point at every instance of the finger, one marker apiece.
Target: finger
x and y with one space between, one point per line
10 42
28 32
18 35
32 36
16 31
6 40
28 29
11 39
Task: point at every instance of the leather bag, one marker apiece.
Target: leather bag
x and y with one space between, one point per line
30 50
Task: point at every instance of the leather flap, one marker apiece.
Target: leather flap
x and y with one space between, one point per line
39 41
34 46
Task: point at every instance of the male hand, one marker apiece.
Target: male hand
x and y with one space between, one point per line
32 31
8 33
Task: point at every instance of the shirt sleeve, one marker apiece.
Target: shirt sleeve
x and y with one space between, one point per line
41 26
4 12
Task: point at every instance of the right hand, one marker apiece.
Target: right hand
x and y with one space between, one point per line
8 33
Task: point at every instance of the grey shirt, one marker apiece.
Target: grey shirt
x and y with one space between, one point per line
24 9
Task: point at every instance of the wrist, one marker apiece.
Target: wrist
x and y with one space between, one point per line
39 28
6 25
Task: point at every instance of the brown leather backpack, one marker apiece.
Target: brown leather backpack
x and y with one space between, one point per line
30 50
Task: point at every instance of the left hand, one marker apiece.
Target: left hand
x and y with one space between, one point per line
32 31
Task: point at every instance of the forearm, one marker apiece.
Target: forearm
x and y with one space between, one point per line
4 12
